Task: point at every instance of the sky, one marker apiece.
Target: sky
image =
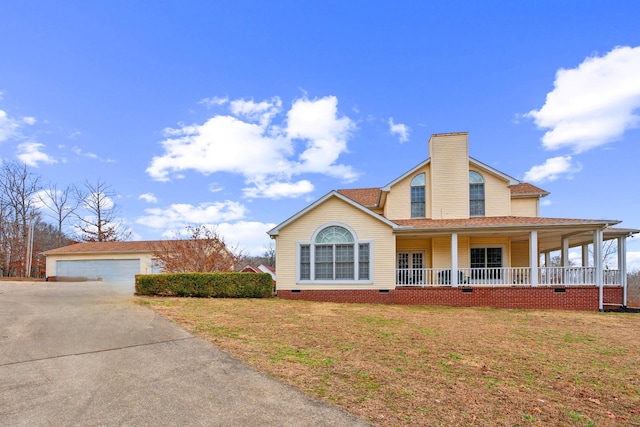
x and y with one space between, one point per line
240 113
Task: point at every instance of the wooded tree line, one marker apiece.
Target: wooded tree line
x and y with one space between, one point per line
36 217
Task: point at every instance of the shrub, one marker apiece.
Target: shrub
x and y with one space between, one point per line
206 285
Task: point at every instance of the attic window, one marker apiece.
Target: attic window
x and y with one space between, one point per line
418 209
476 194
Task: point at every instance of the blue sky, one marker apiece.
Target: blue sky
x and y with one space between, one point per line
239 113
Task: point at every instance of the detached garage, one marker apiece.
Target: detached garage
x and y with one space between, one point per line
106 261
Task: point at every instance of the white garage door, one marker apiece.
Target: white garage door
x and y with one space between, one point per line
109 270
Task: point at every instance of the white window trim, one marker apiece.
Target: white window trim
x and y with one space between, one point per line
411 202
484 201
502 246
356 259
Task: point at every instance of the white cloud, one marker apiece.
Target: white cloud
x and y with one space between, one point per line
148 197
250 237
278 190
251 143
399 129
213 101
93 199
180 214
8 127
592 104
79 152
546 202
317 122
30 153
214 187
552 169
261 112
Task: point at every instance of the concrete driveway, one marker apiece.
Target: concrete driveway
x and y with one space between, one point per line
84 354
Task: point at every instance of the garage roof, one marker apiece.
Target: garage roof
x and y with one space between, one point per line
106 247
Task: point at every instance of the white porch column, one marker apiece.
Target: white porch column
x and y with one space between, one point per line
454 260
547 259
585 255
622 267
597 262
564 259
534 257
564 253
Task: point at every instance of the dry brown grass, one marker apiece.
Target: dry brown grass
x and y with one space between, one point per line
408 365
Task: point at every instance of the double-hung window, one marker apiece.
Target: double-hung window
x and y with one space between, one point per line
334 255
486 263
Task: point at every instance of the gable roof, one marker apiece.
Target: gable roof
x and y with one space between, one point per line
406 174
104 247
367 197
477 163
333 193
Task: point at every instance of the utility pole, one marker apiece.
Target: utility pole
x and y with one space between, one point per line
29 249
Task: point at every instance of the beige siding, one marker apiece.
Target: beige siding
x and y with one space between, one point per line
398 204
463 251
365 226
525 207
520 254
441 254
450 176
497 194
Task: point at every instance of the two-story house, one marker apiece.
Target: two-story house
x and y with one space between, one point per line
450 231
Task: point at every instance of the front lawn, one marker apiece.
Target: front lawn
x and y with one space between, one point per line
410 365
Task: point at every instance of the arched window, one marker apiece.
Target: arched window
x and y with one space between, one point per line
476 194
418 209
335 254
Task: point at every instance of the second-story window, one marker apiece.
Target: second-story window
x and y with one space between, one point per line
418 209
476 194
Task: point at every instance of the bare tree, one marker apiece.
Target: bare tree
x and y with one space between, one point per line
18 187
270 254
609 253
101 222
204 251
60 205
633 286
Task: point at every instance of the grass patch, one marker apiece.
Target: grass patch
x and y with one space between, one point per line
409 365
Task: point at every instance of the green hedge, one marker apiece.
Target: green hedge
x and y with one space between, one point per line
206 285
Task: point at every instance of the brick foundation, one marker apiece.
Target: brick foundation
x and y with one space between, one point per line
559 298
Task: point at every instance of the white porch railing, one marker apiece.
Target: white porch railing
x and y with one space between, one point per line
506 276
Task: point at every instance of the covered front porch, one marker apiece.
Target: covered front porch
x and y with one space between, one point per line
506 276
513 255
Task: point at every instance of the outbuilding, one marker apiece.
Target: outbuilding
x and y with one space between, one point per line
107 261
